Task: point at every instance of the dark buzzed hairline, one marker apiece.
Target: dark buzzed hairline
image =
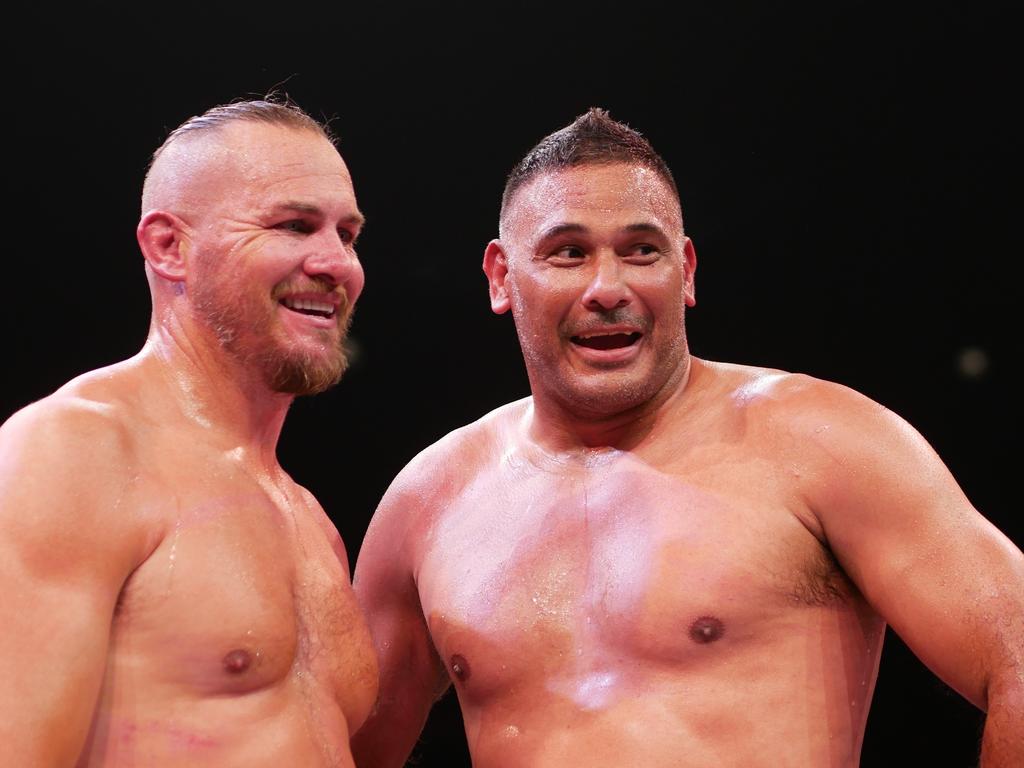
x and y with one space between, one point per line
593 138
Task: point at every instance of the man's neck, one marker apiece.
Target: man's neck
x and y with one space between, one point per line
214 392
556 428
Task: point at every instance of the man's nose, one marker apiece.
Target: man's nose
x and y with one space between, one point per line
607 288
336 260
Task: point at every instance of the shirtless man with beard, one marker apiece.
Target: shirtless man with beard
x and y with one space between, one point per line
171 596
658 560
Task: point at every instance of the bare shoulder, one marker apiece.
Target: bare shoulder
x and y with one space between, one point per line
847 453
427 486
440 471
78 425
68 457
814 412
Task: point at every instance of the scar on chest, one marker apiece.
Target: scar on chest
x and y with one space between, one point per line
237 661
460 667
706 629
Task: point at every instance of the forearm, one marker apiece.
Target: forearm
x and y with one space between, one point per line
26 745
385 741
387 738
1002 745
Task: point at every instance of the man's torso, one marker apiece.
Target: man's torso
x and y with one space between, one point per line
237 641
668 605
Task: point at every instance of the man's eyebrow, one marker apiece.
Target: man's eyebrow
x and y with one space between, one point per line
575 229
562 229
645 227
356 220
298 207
353 219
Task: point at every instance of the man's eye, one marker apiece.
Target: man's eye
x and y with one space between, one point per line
346 237
644 252
570 252
295 225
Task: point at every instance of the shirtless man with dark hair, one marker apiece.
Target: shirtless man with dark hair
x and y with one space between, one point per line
658 560
171 596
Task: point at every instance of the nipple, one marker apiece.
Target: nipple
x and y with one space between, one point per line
460 667
706 629
238 661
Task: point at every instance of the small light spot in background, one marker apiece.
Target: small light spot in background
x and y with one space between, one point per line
353 351
973 363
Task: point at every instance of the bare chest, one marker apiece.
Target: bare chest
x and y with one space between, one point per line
561 573
246 593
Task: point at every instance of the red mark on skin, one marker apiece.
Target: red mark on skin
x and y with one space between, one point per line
460 667
238 661
126 733
181 740
706 629
131 735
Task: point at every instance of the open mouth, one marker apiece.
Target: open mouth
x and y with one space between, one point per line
313 307
607 340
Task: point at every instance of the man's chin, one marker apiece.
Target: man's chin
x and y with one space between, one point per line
299 377
604 395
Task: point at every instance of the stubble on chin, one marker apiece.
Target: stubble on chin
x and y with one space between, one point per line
300 373
245 332
598 392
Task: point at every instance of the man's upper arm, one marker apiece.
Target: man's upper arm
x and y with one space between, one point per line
63 559
411 675
947 581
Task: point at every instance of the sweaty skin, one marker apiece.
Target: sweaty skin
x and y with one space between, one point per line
657 560
171 596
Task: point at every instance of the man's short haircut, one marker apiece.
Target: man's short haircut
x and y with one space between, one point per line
593 138
272 110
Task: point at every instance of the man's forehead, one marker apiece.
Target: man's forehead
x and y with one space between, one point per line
604 188
260 149
247 163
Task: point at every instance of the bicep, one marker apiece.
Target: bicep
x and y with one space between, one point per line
946 580
411 675
52 656
62 565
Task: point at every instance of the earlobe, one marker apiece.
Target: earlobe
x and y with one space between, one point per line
163 243
496 269
689 269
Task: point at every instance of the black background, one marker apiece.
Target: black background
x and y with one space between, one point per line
846 168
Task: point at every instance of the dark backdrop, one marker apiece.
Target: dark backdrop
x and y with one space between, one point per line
844 168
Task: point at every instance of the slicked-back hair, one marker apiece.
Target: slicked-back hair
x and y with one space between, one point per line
271 110
593 138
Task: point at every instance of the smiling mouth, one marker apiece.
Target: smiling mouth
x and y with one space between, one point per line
310 307
607 340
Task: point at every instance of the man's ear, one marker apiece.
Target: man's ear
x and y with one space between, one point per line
164 244
496 269
689 268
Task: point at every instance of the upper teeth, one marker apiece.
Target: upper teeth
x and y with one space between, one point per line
313 304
